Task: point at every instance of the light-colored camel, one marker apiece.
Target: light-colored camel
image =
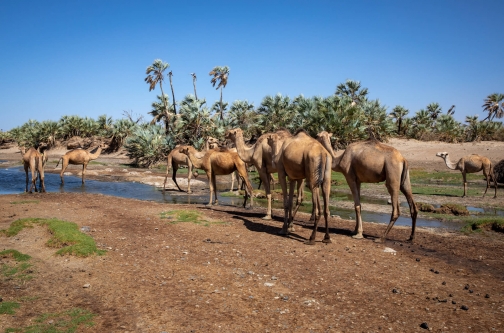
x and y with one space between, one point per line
372 162
34 160
302 157
260 155
217 162
471 164
78 156
175 158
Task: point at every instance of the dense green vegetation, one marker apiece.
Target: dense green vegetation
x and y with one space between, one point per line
348 114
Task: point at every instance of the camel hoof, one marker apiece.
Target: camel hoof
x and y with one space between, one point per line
411 239
283 232
208 205
310 242
357 236
189 192
327 241
267 217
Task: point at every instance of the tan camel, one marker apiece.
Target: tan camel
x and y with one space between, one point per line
34 160
260 156
76 157
471 164
302 157
175 158
217 162
373 162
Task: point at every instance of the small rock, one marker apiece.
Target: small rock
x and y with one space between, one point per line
85 229
466 287
395 291
425 326
470 291
417 259
274 278
444 283
87 285
465 308
486 296
453 302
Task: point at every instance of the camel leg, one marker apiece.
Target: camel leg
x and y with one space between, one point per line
242 172
41 175
283 184
263 176
64 165
299 198
83 172
355 188
316 203
394 196
290 227
494 180
174 175
326 190
189 176
465 184
406 190
34 178
26 172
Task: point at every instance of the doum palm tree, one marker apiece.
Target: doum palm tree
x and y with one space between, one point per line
398 113
492 106
154 76
352 89
194 84
220 74
170 74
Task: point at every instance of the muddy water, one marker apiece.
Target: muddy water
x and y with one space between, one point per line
12 181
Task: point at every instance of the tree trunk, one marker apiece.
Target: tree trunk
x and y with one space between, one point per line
194 84
167 115
173 95
221 109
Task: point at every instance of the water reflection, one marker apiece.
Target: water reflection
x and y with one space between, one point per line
12 181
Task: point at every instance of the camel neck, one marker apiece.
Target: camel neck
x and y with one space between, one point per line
96 154
244 152
449 163
196 161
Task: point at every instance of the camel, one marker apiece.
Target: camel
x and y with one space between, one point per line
372 162
33 159
472 164
260 156
78 156
217 162
175 159
302 157
499 172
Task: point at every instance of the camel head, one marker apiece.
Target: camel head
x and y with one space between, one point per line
212 141
232 134
443 154
184 150
195 174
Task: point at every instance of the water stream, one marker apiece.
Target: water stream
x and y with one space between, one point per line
12 181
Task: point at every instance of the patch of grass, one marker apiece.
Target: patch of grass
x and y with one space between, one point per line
65 235
65 322
20 270
25 202
420 176
445 190
178 216
97 163
479 223
9 307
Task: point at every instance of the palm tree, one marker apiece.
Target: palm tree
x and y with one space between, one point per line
398 113
434 110
275 112
194 84
241 114
352 89
492 106
220 74
154 76
159 112
170 74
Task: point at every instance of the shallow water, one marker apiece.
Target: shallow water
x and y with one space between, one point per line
12 181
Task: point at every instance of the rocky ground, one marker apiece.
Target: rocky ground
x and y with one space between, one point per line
234 273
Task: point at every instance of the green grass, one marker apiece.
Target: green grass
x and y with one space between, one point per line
480 223
420 176
9 307
180 216
20 270
65 235
62 322
22 202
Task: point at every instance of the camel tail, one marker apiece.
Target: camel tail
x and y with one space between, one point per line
320 172
405 172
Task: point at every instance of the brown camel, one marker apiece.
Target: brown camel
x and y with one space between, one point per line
217 162
175 159
471 164
373 162
260 156
34 160
78 156
302 157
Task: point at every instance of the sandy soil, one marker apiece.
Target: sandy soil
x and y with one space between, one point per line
236 274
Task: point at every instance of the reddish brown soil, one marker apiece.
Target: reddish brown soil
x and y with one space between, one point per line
238 275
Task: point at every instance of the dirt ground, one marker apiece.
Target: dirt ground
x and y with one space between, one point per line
236 274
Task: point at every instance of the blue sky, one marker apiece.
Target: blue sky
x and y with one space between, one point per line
88 58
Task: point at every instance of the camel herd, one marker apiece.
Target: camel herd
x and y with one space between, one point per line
295 158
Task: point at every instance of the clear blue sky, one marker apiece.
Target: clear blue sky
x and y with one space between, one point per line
88 58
